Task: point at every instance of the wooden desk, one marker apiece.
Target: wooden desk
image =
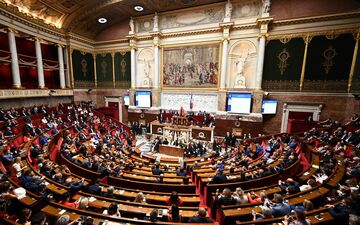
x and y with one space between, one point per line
171 150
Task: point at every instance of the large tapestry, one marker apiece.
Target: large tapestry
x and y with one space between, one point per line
122 70
282 66
191 66
83 69
328 63
104 70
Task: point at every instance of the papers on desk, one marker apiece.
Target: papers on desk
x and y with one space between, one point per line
46 183
209 179
306 173
62 212
122 192
92 199
134 175
20 193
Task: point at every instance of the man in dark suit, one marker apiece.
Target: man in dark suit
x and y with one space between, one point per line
200 217
95 188
219 177
157 170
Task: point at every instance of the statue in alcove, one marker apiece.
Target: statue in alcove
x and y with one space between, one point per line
240 78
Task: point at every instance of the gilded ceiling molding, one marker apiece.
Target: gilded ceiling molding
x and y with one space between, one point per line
314 19
13 13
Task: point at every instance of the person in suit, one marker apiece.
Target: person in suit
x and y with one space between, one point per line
157 170
280 208
95 188
219 177
200 217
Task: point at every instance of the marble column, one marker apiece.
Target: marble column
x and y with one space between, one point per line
39 63
67 71
156 67
15 71
133 68
260 63
61 67
224 63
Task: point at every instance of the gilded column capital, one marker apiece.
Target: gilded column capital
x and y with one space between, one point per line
307 39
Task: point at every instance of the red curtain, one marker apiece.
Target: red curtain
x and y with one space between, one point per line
5 76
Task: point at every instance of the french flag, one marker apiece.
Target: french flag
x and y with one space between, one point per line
191 102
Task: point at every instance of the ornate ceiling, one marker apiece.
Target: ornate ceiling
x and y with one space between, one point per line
81 16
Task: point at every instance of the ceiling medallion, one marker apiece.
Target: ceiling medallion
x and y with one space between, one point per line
102 20
138 8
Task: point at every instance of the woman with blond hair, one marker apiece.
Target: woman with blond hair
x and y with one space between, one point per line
240 196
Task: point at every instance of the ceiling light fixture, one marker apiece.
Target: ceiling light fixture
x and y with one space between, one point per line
102 20
138 8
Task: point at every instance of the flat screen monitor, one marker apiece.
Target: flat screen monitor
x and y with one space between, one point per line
127 100
269 107
239 102
143 99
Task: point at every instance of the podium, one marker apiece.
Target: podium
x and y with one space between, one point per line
171 150
182 132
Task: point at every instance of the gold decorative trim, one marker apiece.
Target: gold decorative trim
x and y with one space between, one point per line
313 19
307 40
328 54
283 56
315 33
353 62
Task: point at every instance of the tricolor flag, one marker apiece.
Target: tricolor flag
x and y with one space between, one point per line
191 102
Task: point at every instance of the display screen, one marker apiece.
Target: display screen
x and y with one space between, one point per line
269 107
143 99
127 100
239 102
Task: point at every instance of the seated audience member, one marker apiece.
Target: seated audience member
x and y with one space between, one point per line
289 187
7 198
95 188
84 203
109 192
309 184
174 214
265 213
200 217
174 199
279 208
240 196
219 177
154 215
112 210
226 198
255 198
24 217
31 182
140 198
38 219
18 167
67 201
157 170
65 220
299 219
